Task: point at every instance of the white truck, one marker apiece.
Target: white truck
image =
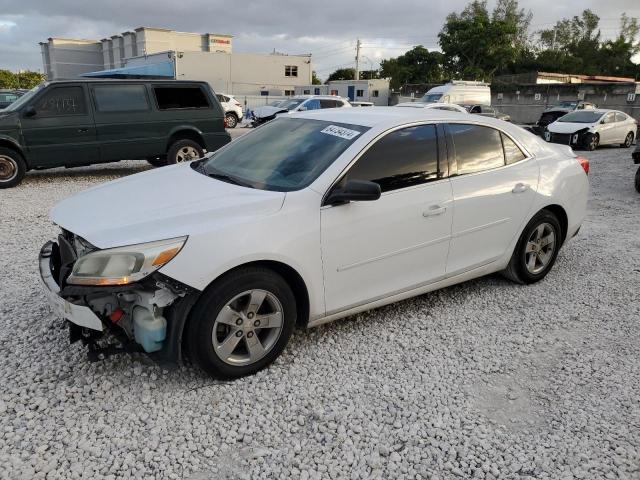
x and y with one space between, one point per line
459 92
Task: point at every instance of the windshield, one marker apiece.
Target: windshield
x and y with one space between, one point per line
285 154
581 117
24 99
431 97
567 104
291 104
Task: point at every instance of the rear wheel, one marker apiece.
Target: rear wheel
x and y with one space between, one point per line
12 168
536 250
184 151
242 323
593 140
230 120
628 140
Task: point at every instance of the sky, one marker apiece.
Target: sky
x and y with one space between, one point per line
326 29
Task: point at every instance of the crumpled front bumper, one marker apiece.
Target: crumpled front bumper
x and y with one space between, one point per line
80 315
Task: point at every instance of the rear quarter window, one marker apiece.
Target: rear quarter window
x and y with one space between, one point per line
170 97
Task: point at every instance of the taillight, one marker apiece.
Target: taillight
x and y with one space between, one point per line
584 163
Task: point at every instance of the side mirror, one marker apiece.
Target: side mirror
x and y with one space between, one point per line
354 191
30 111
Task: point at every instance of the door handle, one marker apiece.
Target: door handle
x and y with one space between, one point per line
520 188
83 130
433 211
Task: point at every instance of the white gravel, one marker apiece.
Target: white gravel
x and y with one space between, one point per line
485 380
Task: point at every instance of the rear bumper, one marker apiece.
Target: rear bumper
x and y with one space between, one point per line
80 315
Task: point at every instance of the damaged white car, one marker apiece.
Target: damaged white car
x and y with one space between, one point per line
591 128
307 219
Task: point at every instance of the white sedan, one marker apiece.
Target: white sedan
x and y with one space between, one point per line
591 128
310 218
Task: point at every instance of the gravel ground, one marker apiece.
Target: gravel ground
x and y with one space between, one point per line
486 380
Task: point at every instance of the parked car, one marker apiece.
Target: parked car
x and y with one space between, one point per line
299 103
452 107
232 109
554 112
459 91
486 111
361 104
636 160
82 122
591 128
304 221
7 97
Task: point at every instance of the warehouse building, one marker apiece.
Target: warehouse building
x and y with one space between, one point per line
161 53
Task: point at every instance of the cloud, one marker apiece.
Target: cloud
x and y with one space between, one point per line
327 29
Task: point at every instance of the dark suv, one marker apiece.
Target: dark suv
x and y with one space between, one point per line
82 122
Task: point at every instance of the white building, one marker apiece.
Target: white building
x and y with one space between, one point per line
156 52
376 91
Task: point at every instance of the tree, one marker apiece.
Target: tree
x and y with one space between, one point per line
342 74
314 79
477 45
418 65
26 79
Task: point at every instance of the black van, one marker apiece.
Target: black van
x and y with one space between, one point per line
73 123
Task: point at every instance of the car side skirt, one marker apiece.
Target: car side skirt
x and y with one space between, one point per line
492 267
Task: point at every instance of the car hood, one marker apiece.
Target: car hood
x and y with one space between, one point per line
567 127
267 111
163 203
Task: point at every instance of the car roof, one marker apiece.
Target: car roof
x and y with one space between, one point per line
305 97
125 80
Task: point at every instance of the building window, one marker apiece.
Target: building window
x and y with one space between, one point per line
375 93
306 92
316 91
290 93
359 93
290 71
264 93
334 92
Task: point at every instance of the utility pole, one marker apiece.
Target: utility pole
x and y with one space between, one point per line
358 44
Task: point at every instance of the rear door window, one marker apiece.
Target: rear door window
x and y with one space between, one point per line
62 101
313 104
476 148
180 97
620 117
400 159
121 98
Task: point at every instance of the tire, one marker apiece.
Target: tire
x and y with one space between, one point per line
521 268
638 180
230 120
157 161
628 141
593 141
12 168
184 151
223 317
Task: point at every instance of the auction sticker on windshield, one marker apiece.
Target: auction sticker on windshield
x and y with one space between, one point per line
341 132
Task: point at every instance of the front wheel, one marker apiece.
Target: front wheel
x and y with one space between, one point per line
12 168
536 250
242 323
628 140
593 140
184 151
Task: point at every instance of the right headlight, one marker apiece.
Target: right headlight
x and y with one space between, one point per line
124 265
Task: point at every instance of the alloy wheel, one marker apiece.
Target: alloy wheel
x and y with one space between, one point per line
8 168
186 154
540 248
629 140
248 327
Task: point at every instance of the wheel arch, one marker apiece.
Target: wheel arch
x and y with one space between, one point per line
561 215
185 133
11 145
290 275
